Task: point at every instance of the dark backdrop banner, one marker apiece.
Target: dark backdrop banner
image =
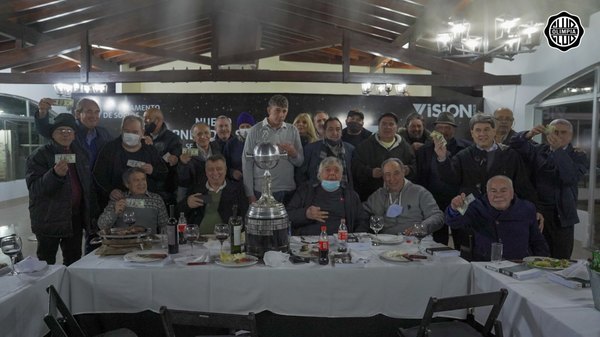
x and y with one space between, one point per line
183 110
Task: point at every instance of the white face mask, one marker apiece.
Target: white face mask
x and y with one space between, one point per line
242 132
131 139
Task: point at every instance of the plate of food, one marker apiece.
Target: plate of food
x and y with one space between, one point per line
236 260
387 239
307 251
394 256
548 263
144 256
125 232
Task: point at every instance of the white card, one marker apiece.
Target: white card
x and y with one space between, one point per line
135 163
135 203
166 157
468 199
191 151
69 157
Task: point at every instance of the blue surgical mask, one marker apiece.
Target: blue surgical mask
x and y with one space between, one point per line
330 185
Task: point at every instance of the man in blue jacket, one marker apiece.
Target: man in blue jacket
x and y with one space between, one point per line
499 216
556 168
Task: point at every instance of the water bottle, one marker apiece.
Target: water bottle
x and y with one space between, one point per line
323 246
342 237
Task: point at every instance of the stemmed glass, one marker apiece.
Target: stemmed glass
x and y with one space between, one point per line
222 233
419 231
11 246
191 234
129 217
376 224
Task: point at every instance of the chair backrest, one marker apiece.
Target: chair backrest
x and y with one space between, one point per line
55 322
466 252
172 317
495 299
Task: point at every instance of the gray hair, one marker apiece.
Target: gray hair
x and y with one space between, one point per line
226 118
392 160
195 125
81 102
132 117
280 101
328 161
129 172
480 117
563 122
500 177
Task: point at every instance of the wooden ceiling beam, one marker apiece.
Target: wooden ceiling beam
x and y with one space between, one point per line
22 32
170 54
166 76
44 50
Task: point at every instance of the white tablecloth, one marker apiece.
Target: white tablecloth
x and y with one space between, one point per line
539 307
24 301
109 284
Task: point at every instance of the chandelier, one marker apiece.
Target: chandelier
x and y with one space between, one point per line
510 37
66 89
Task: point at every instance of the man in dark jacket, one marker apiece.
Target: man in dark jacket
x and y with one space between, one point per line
557 168
427 173
61 198
326 203
89 135
123 152
331 146
354 132
234 148
368 156
168 145
504 121
211 202
414 131
501 217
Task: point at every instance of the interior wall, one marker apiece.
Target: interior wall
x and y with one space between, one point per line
540 70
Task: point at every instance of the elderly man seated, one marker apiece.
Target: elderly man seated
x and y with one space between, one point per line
499 216
148 208
402 203
326 203
212 202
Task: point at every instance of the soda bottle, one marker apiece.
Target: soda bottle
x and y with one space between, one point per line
181 224
342 237
323 246
172 240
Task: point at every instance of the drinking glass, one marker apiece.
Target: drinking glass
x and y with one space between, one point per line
191 234
11 246
222 233
419 231
496 252
376 224
129 217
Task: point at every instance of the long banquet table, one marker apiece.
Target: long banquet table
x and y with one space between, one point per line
24 301
401 290
539 307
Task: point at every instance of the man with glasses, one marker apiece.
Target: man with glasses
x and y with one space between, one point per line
504 123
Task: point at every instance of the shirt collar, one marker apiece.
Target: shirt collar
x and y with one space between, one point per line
265 122
146 194
218 189
493 148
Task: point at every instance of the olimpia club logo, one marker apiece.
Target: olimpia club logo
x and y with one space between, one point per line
564 31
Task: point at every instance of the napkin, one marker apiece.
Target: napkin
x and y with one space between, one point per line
360 256
30 264
202 257
578 270
275 259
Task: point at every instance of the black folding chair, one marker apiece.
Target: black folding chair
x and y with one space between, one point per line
459 328
233 323
65 325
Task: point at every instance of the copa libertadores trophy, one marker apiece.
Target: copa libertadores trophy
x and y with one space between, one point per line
267 223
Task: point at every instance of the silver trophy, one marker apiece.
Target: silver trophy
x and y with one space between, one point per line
267 223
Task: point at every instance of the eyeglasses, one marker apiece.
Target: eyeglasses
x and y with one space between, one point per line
65 131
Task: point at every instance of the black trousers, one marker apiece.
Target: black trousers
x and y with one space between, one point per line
559 239
441 235
70 246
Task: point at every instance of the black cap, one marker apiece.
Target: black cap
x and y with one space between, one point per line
388 114
64 119
445 118
352 113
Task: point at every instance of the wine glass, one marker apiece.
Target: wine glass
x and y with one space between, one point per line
11 246
129 217
222 233
191 234
376 224
419 231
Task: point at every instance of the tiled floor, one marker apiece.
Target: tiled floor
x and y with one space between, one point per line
16 212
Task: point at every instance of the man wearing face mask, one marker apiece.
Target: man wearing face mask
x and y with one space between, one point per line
234 149
124 152
331 146
168 145
354 133
326 203
402 203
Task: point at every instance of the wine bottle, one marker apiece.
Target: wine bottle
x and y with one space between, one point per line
181 228
172 235
235 223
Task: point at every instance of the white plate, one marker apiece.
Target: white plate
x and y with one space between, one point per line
311 253
530 259
143 256
253 261
190 261
387 239
394 256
